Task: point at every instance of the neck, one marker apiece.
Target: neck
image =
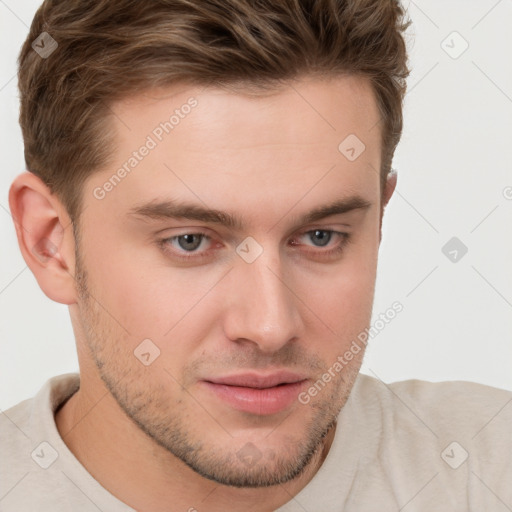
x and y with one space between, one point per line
145 476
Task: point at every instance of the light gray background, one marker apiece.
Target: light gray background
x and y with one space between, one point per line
454 179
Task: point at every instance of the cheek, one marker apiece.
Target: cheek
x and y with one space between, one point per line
149 298
341 296
343 302
146 296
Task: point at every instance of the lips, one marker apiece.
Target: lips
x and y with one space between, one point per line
250 380
257 393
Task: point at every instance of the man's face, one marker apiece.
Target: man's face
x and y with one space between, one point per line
239 321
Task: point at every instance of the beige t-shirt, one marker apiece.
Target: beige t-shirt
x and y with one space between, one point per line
408 446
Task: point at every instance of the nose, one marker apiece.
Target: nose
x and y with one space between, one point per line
263 308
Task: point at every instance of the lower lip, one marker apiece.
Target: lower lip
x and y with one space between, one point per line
258 401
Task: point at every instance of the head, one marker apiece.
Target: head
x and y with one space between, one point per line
183 157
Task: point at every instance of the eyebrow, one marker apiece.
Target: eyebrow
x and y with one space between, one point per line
170 209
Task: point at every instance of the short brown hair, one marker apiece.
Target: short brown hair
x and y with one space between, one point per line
110 49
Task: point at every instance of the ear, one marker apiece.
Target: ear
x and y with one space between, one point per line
45 236
391 181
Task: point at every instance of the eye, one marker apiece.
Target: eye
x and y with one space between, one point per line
186 245
196 245
321 238
322 235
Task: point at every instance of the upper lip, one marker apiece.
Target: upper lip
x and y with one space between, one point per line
255 380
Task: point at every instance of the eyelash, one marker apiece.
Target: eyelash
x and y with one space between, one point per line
165 243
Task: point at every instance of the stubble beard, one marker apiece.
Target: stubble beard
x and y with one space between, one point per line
148 405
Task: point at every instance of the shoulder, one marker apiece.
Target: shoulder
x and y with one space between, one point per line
454 438
30 447
470 405
417 445
28 415
459 431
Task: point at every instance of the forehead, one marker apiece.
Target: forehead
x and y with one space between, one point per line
233 146
307 111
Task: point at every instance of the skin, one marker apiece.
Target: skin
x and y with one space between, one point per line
156 435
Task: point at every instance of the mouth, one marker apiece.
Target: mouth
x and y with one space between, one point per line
256 393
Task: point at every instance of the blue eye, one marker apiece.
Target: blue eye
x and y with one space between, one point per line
324 237
189 242
322 234
187 245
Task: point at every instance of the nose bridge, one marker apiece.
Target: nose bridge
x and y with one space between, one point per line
264 308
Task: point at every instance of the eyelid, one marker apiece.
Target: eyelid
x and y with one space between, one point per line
320 251
312 230
205 232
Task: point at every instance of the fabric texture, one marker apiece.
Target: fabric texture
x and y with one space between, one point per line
411 445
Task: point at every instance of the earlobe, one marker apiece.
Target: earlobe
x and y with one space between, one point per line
45 236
